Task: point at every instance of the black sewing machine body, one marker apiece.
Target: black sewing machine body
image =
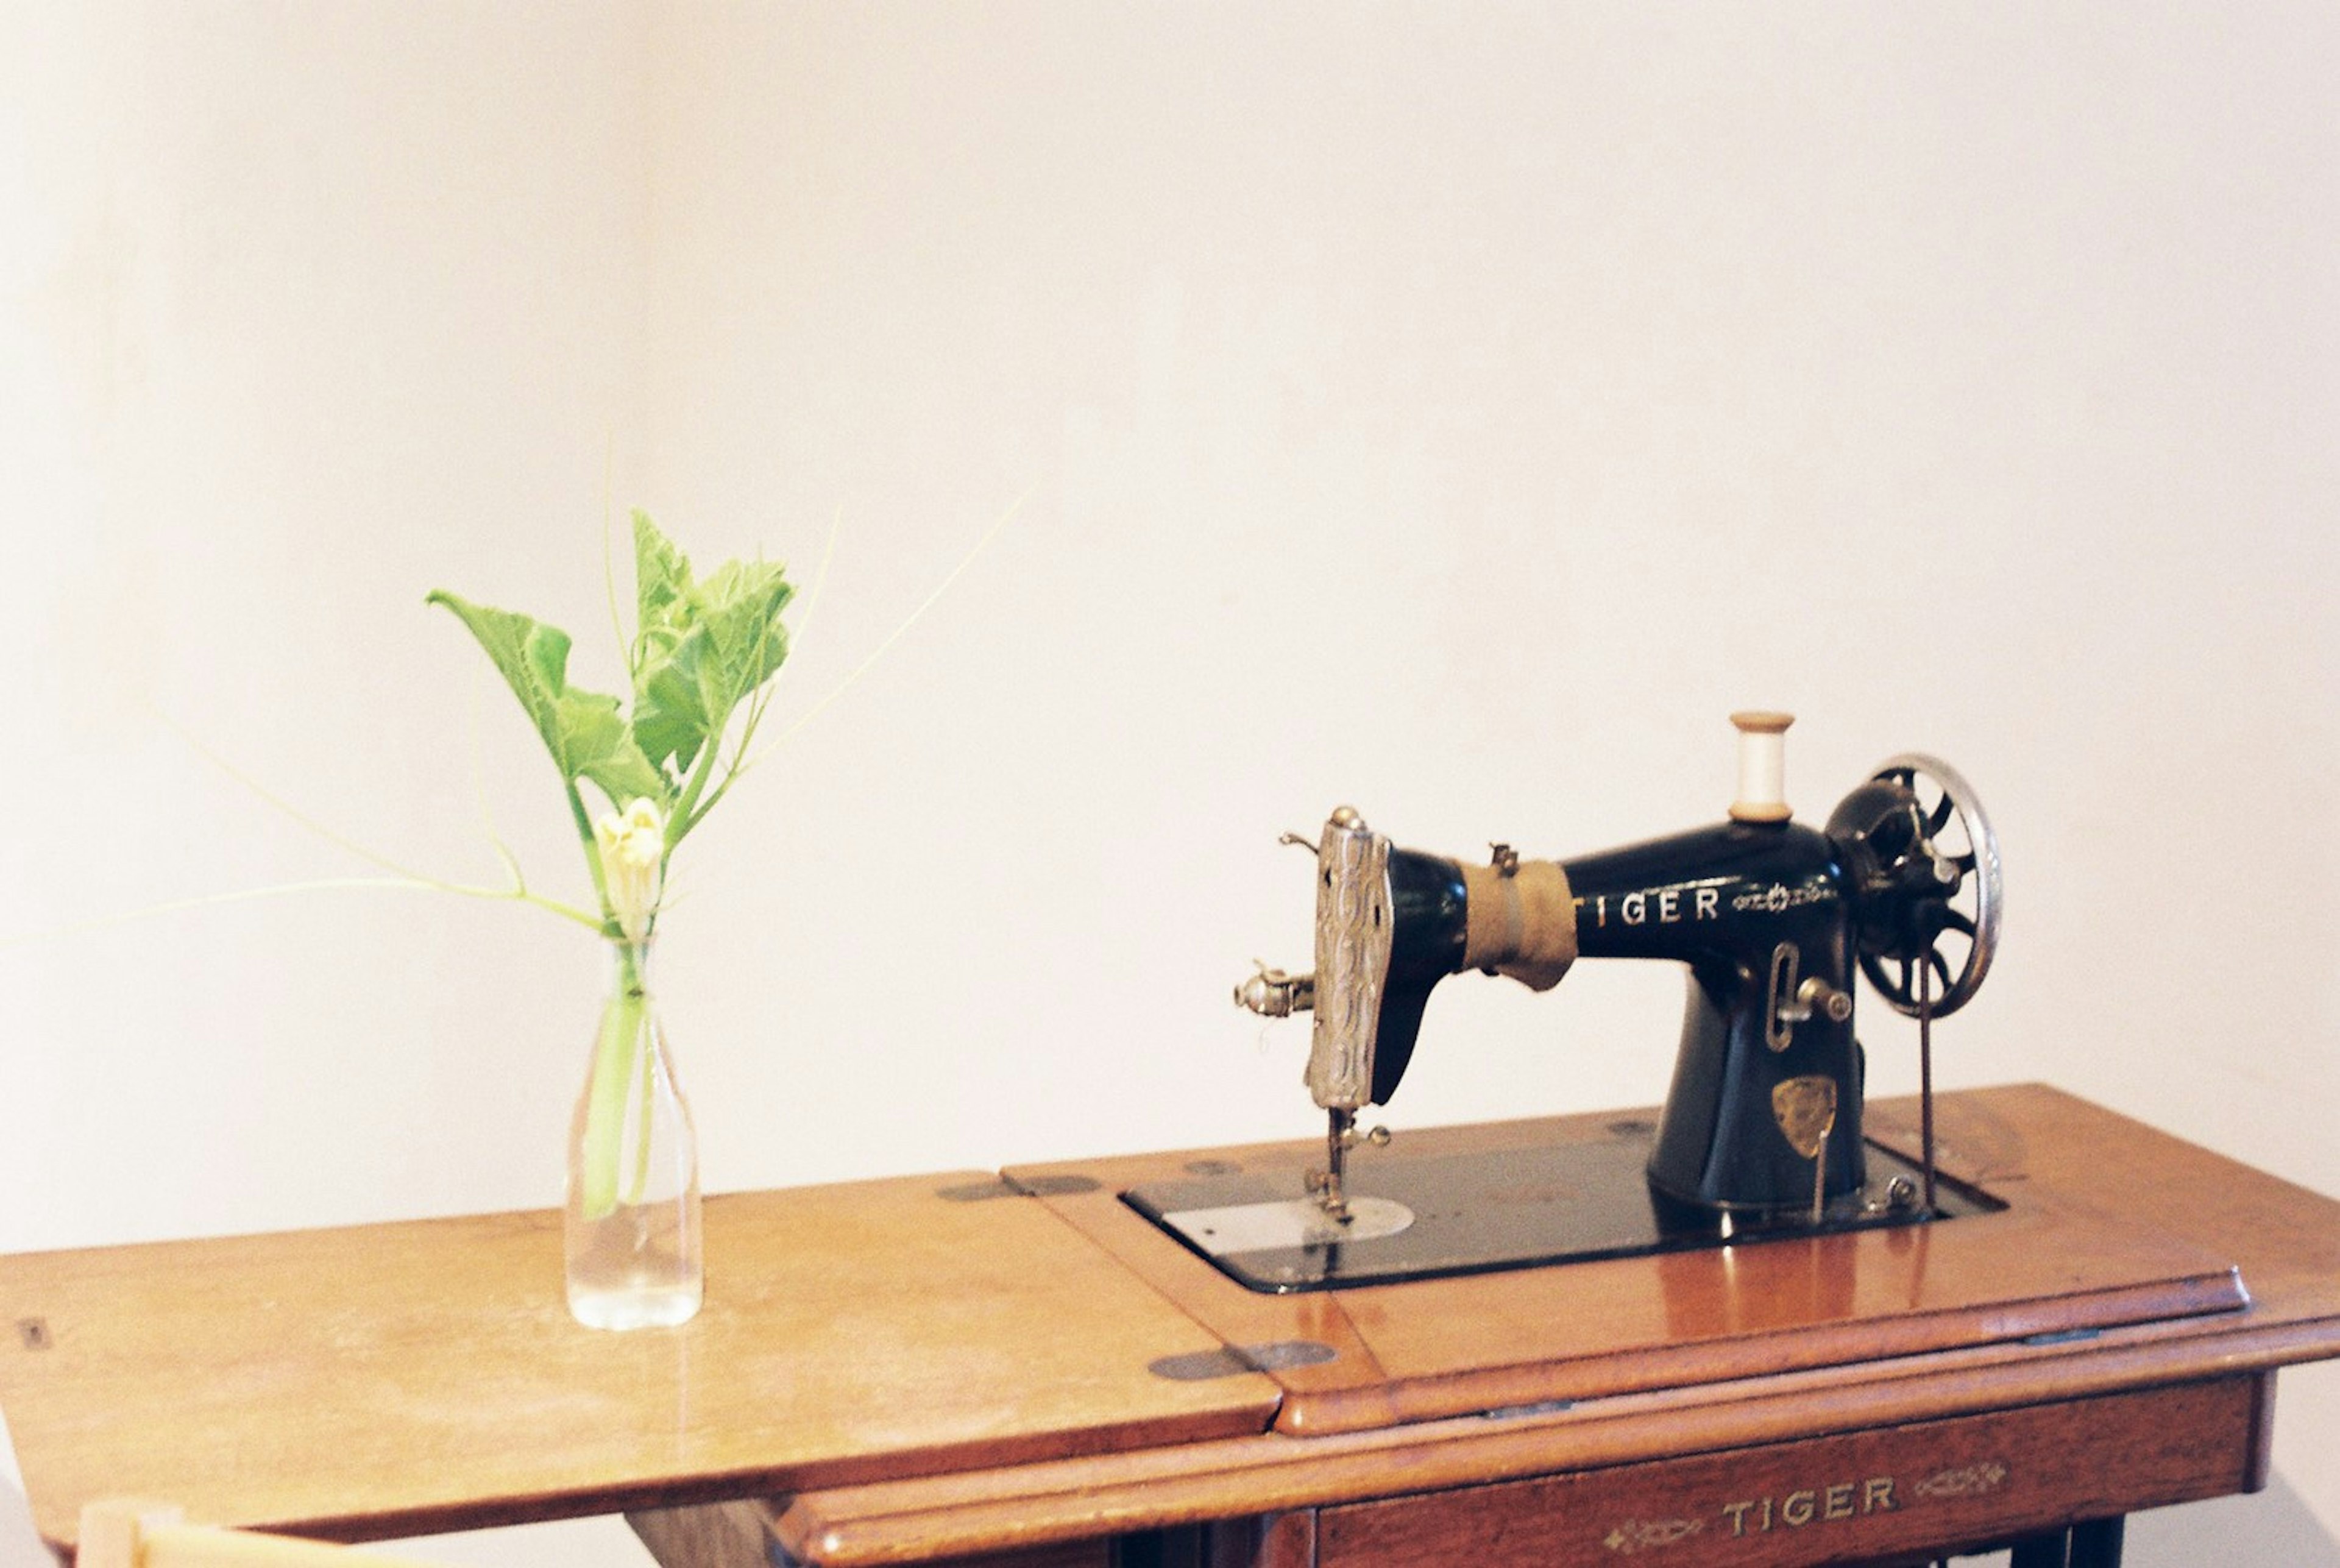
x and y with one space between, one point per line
1760 1133
1754 909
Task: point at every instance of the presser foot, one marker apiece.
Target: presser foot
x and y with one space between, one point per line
1329 1186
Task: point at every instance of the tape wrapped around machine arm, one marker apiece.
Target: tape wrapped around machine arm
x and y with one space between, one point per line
1522 925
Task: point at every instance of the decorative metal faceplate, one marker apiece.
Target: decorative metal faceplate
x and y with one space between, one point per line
1805 1108
1287 1223
1353 959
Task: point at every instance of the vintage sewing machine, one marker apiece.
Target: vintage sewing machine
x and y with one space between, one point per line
1762 1130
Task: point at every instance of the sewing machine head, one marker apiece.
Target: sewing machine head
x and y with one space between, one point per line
1763 1124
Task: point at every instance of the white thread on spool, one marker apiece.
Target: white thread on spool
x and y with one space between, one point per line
1762 767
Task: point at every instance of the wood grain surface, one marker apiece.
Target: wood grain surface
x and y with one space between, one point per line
407 1378
2052 1262
917 1519
913 1377
2286 1241
1923 1486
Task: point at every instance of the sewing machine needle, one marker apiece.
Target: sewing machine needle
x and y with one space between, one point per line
1335 1196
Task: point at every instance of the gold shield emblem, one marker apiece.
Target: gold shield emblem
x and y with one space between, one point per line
1804 1109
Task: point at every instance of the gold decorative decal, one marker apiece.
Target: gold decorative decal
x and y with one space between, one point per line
1835 1502
1821 1502
1804 1109
1638 1535
1966 1481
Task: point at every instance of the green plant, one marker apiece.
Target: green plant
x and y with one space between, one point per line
702 651
702 654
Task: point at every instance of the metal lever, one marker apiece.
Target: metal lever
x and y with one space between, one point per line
1793 1002
1272 993
1815 996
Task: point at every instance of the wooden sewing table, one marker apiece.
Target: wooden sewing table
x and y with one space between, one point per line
1021 1372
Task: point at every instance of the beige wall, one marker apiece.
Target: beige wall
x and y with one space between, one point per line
1455 412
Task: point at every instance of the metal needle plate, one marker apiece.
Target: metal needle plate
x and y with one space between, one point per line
1285 1223
1490 1209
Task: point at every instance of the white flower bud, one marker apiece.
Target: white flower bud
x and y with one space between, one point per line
632 843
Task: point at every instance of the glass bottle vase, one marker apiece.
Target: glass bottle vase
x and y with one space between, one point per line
631 1239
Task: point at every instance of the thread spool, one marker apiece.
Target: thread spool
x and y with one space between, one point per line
1762 766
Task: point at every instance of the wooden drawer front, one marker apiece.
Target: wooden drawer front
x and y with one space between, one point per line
1829 1498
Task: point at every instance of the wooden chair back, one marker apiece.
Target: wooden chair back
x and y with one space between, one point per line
125 1533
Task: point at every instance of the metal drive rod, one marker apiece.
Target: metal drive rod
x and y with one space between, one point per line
1925 1076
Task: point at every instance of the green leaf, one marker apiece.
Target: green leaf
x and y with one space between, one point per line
583 730
661 579
712 646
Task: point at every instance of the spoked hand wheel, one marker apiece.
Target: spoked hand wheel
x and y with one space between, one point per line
1936 957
